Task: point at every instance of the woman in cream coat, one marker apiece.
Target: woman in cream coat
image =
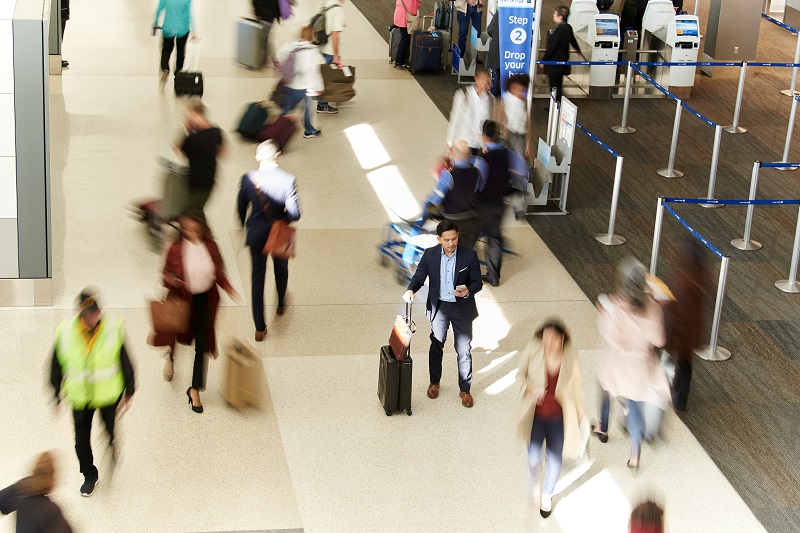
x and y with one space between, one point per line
632 324
551 390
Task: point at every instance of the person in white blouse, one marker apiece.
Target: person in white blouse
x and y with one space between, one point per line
472 106
192 271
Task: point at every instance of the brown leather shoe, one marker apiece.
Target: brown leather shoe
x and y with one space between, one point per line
433 391
466 399
260 335
280 310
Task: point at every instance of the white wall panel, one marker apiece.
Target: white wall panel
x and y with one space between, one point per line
6 57
7 126
9 250
7 9
8 187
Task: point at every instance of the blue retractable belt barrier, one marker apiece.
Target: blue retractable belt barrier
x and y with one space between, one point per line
779 23
654 82
779 165
603 145
770 64
729 202
698 115
599 63
693 231
689 63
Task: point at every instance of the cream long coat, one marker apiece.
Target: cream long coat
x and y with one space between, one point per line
629 367
569 393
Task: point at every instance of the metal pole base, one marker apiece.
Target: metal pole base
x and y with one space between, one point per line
746 245
712 206
787 169
720 354
665 173
625 129
786 286
737 129
610 240
789 92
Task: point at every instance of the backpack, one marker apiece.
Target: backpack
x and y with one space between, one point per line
604 5
318 24
287 66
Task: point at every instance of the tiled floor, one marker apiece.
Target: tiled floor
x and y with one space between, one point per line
321 455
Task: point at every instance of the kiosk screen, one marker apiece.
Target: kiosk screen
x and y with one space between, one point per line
607 27
687 28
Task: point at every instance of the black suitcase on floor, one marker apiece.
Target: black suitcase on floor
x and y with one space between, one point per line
188 83
394 382
426 52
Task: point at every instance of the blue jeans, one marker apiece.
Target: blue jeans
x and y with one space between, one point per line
292 98
471 17
634 422
550 432
455 315
328 61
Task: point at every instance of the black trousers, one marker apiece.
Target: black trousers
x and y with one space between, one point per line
83 436
683 380
166 51
447 314
556 82
402 46
201 327
491 221
259 264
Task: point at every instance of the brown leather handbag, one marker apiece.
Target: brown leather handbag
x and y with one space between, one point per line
282 240
400 338
170 315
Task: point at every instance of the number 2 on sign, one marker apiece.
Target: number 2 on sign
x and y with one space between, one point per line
517 36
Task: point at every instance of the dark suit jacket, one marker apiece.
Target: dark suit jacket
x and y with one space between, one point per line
280 190
558 49
468 272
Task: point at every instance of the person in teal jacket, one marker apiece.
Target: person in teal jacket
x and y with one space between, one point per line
175 30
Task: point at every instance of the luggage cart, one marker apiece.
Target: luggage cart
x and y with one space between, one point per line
404 245
159 215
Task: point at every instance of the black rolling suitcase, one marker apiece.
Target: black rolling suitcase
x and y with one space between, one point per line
190 82
394 44
395 377
426 52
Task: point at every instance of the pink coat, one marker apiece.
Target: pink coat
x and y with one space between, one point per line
400 18
629 367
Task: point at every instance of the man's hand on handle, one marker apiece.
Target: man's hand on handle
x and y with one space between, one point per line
408 296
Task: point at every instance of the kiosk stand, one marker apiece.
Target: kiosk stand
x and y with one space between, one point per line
604 41
549 178
677 39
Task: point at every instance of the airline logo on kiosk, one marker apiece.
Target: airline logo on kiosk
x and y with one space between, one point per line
515 29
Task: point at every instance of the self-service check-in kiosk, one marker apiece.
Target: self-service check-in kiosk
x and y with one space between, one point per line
674 39
603 40
581 18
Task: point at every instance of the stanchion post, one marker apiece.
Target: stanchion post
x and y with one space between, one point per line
609 239
789 133
790 285
696 5
735 128
670 171
624 128
657 235
712 178
745 243
791 90
551 122
714 352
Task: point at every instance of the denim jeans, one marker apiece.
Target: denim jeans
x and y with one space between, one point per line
634 421
328 61
291 98
472 17
551 433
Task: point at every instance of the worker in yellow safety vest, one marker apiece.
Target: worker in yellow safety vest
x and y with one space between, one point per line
91 370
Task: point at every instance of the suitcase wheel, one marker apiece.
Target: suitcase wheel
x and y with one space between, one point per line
408 412
388 413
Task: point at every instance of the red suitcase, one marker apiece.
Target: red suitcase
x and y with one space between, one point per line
280 131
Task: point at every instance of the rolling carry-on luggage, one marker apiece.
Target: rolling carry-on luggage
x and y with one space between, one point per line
280 131
242 377
251 43
441 15
394 44
176 189
254 118
190 82
426 52
395 376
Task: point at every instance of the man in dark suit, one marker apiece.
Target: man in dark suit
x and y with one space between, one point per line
455 277
558 50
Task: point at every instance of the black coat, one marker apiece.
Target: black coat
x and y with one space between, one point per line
35 513
558 49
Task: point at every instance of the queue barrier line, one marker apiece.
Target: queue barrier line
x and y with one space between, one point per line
593 137
691 230
689 63
779 23
729 202
654 83
770 64
779 164
698 114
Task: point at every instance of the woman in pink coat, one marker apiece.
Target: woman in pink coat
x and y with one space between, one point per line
403 8
632 325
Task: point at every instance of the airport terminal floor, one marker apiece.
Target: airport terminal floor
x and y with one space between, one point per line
321 455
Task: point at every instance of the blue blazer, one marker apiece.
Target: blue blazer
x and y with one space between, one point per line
468 272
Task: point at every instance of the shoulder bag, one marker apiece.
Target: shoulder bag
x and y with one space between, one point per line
412 20
282 240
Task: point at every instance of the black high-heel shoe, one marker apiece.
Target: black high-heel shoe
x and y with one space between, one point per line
195 409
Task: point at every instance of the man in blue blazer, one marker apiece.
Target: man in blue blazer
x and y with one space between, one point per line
454 276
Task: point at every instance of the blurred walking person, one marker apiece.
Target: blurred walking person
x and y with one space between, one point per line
192 271
301 78
684 318
91 370
267 12
36 513
175 31
513 115
632 325
552 407
202 145
647 517
270 193
472 106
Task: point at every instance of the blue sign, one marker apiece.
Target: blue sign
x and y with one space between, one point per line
515 28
